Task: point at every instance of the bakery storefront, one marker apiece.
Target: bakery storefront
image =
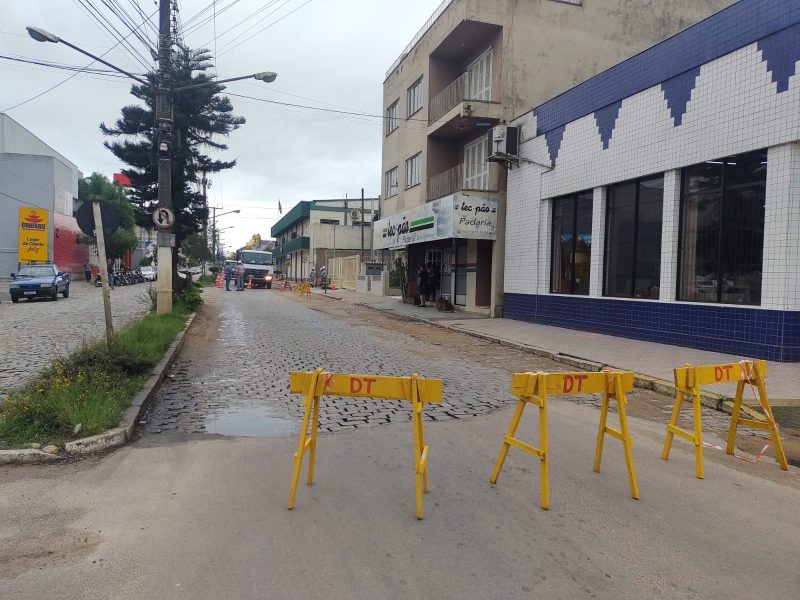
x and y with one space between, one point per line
456 234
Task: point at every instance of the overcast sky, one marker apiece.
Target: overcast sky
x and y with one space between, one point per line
327 53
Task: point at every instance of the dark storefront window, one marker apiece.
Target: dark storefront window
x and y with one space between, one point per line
633 238
571 244
722 230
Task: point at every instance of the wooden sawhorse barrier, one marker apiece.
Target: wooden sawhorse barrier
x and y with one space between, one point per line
689 380
315 384
534 388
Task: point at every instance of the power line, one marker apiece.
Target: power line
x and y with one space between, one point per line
112 33
39 95
319 108
53 65
248 17
275 22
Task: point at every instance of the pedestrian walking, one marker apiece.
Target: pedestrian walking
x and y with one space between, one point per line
422 284
240 277
312 277
87 271
228 274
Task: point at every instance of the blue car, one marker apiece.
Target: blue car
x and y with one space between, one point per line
39 281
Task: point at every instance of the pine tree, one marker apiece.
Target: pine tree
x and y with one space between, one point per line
200 117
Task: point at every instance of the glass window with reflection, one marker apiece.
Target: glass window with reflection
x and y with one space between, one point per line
722 230
633 238
571 244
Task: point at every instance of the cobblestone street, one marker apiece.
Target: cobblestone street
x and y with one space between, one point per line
35 332
232 376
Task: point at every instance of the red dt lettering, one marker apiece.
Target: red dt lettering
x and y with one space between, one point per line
717 373
727 371
355 385
569 383
370 381
580 379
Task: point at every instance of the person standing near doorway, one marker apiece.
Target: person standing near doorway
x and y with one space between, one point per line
87 271
433 282
422 284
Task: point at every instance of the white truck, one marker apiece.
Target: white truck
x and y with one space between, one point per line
258 268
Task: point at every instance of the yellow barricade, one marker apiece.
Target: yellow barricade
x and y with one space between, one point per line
303 288
534 388
315 384
689 380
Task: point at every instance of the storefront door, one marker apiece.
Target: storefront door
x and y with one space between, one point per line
461 273
434 258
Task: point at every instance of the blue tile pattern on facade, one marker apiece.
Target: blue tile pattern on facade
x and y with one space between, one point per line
553 138
739 25
678 92
781 51
746 332
606 118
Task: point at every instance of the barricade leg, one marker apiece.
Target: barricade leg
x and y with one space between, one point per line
305 441
512 429
696 438
312 449
770 425
673 423
698 434
510 440
623 434
737 408
420 449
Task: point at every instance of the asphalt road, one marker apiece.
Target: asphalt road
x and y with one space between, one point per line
34 332
186 514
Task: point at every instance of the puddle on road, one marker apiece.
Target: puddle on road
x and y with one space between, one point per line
249 421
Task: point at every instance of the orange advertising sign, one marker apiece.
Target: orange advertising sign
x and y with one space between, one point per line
33 236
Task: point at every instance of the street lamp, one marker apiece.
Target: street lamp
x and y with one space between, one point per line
214 229
164 125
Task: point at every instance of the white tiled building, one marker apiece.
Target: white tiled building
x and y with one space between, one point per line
672 211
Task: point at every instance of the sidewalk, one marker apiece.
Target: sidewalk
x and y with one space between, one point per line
645 358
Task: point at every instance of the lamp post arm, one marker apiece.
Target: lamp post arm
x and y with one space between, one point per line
108 64
214 82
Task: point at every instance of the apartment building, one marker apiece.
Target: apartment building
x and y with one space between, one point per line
672 210
473 65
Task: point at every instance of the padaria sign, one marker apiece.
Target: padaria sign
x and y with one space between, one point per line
459 215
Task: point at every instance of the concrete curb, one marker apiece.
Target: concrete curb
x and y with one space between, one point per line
662 386
120 435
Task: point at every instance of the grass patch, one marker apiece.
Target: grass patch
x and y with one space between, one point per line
91 387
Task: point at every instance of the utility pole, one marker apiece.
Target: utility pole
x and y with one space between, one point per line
362 223
214 233
164 123
205 224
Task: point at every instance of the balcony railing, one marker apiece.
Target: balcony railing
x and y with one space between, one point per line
454 180
468 86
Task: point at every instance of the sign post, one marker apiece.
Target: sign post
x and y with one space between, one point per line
101 253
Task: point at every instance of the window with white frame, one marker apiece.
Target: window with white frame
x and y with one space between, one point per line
414 97
479 77
476 166
391 182
413 170
392 122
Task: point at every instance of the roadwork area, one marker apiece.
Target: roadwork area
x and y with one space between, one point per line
196 508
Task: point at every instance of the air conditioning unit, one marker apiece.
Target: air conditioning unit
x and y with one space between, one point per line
503 142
